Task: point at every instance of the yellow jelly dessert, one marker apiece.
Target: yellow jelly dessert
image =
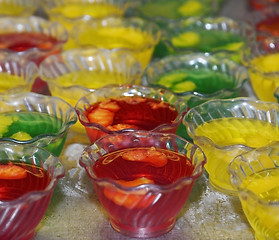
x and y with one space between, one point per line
262 215
224 135
140 44
90 79
187 39
13 9
8 82
75 10
72 14
191 8
263 81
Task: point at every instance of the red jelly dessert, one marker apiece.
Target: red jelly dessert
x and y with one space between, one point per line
136 166
135 112
17 179
21 42
269 25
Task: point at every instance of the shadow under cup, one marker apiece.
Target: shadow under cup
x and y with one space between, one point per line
149 208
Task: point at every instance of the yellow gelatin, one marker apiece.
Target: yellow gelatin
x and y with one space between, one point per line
187 39
190 8
75 10
226 132
140 44
90 79
10 9
71 13
8 81
6 121
264 85
262 216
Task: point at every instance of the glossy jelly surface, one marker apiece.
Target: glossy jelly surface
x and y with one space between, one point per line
140 174
133 35
269 25
17 179
75 10
264 76
224 132
164 10
28 126
262 212
136 113
203 81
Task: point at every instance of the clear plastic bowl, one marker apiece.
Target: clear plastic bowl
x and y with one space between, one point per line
222 35
19 8
226 128
35 119
260 58
136 112
134 35
19 217
255 176
148 209
197 77
32 38
77 72
75 12
163 11
17 75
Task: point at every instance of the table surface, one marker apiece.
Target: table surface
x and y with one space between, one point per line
75 212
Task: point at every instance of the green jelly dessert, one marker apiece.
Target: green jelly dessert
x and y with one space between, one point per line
25 126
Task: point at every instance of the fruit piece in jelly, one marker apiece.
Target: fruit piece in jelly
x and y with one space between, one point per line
12 172
150 156
101 116
130 200
122 126
22 136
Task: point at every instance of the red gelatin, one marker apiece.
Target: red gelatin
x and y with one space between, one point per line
136 113
129 172
143 179
269 25
23 41
261 4
19 179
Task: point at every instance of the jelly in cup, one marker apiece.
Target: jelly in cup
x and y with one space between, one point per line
163 11
226 128
265 22
16 75
134 35
32 38
255 175
221 35
115 109
28 176
69 13
77 72
143 179
196 77
263 4
18 7
35 119
261 58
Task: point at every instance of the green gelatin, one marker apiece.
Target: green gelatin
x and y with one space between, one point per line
24 126
204 81
174 9
201 40
208 41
